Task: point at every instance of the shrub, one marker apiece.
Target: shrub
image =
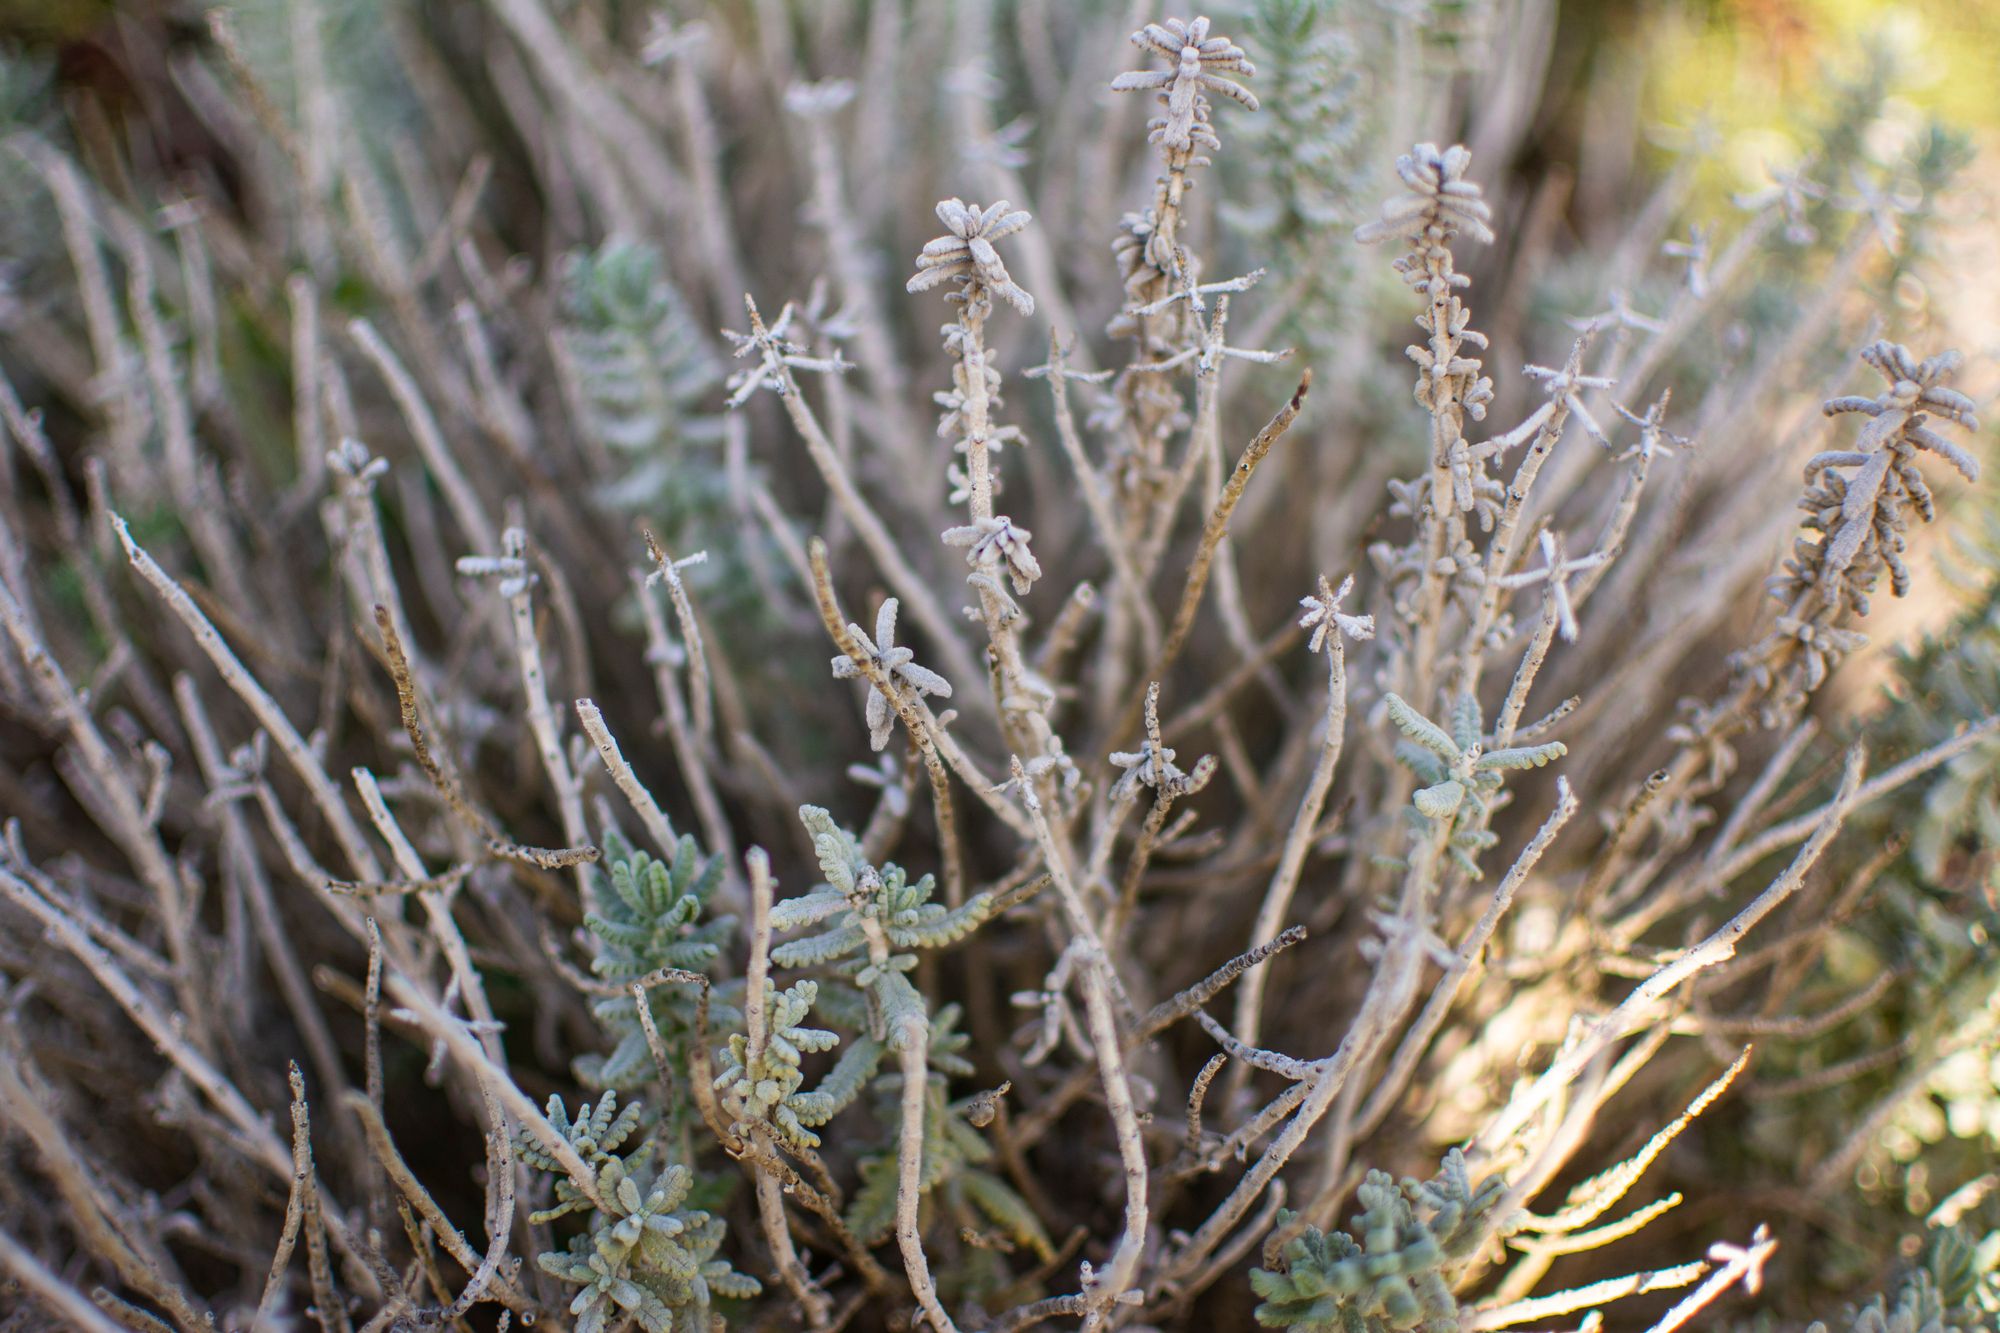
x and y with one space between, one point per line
432 642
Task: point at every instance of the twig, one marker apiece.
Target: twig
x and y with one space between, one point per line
933 741
1717 948
770 1192
1210 706
1740 1263
1101 1290
1132 589
262 706
140 1260
1396 1077
1040 1118
1284 1066
1888 780
658 827
57 1294
913 1055
255 1135
240 848
464 502
700 699
302 1168
459 1043
680 730
1578 1298
504 1288
874 534
123 814
1211 536
514 587
1197 1093
1299 840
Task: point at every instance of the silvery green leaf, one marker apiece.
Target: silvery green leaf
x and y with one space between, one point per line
1523 756
1441 801
1421 729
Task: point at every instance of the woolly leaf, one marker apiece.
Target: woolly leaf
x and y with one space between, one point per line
945 927
848 1078
1421 729
839 858
1465 722
1522 756
1394 1271
1441 801
642 1253
899 1006
1008 1211
807 909
822 948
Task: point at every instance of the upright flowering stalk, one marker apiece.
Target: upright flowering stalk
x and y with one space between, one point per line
1166 315
995 547
1440 205
1151 258
1859 502
1149 248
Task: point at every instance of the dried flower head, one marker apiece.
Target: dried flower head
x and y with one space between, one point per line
1152 764
1441 201
1555 572
1858 497
1195 65
1563 386
817 101
899 663
998 540
1327 621
1794 194
778 355
965 254
1858 501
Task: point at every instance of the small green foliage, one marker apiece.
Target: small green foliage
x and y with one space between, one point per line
769 1084
1308 179
644 1256
649 922
1002 1208
1310 165
1521 756
646 386
642 370
1422 730
856 892
596 1134
1958 823
865 921
651 919
1965 1265
954 1159
1953 1288
1462 778
1413 1237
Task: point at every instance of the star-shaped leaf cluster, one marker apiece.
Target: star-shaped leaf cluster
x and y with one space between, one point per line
651 918
897 662
644 1256
1462 776
1397 1275
769 1085
857 896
